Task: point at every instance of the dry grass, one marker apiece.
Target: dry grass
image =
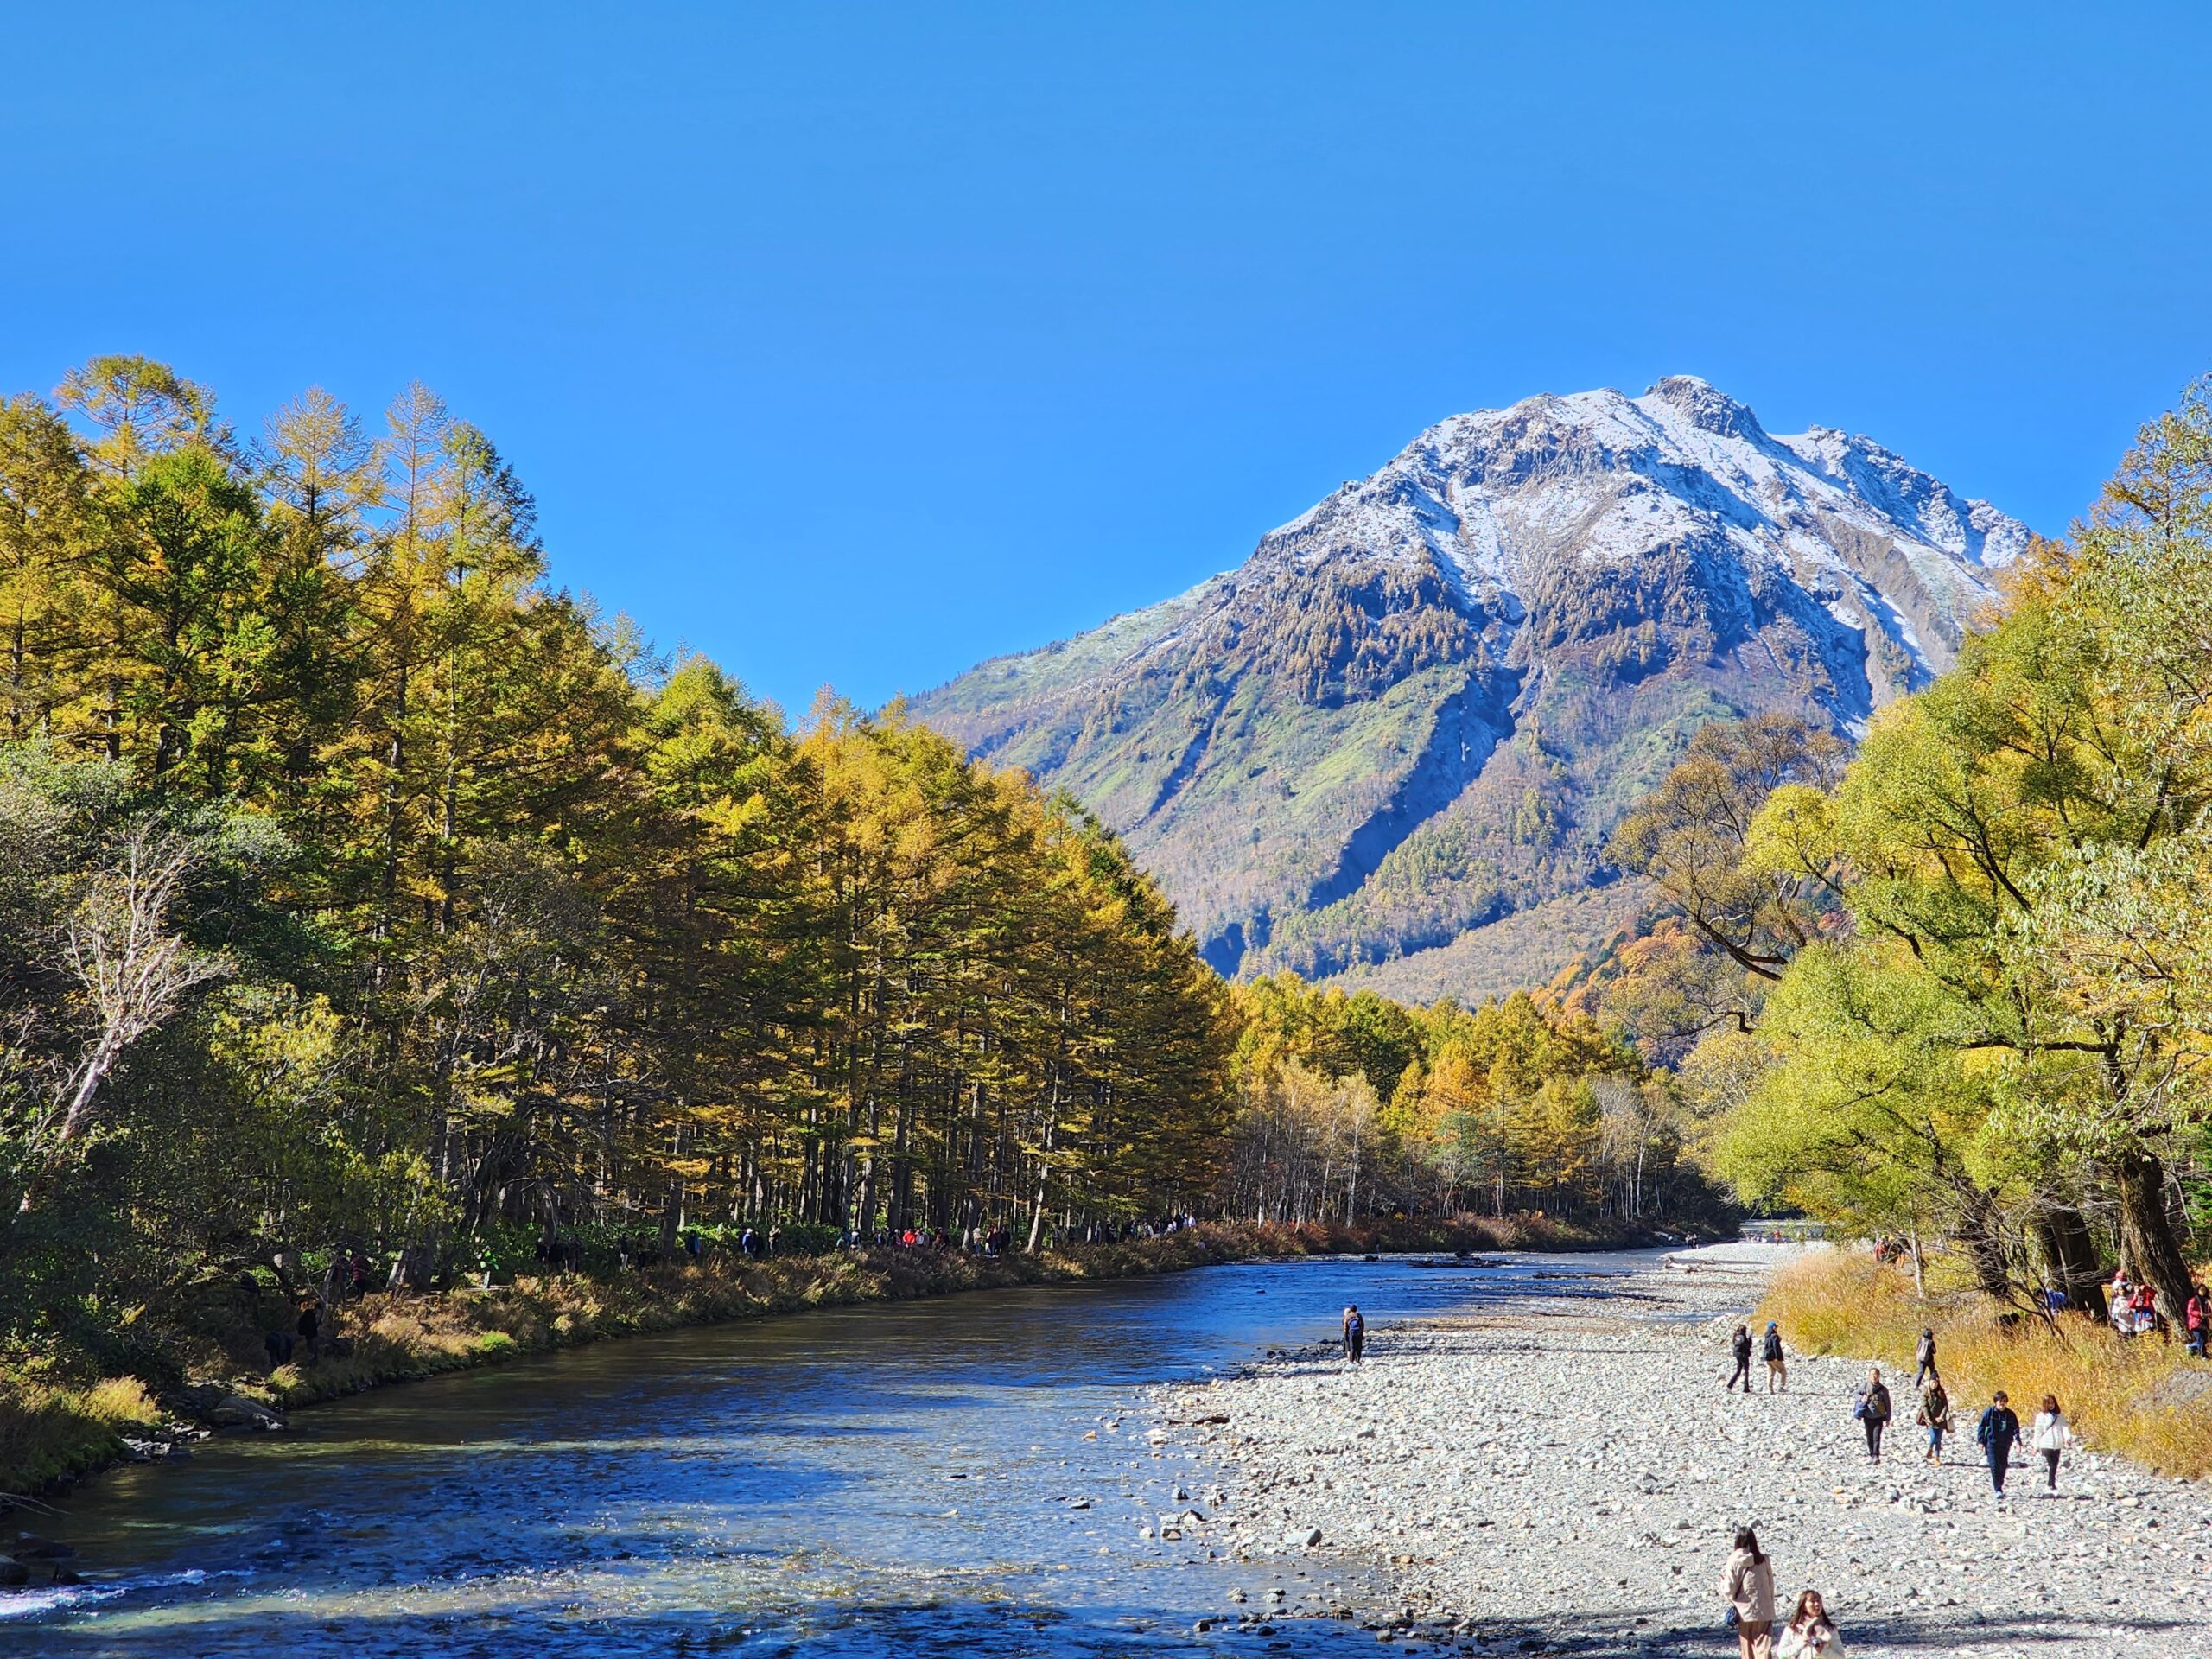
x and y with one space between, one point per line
49 1432
2146 1399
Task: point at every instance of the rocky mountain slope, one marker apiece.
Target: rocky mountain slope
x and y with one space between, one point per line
1389 746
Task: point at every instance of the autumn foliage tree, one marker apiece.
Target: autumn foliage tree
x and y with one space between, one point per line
364 888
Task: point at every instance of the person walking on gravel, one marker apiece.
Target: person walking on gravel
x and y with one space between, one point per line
1997 1431
1935 1417
1747 1585
1923 1358
1354 1334
1871 1408
1740 1345
2049 1435
1778 1374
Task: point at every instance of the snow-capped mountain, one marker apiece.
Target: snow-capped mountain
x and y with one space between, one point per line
1391 744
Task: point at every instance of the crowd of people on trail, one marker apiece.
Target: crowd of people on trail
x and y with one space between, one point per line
1997 1431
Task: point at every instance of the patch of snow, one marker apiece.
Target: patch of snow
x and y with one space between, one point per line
1610 479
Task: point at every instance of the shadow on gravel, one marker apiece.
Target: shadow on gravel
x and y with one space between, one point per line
1612 1637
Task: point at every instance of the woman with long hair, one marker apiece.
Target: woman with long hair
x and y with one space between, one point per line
1810 1633
1747 1585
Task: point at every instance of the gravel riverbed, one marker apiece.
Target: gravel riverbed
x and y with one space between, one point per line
1564 1474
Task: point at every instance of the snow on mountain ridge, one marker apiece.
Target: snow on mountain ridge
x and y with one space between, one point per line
1612 479
1421 706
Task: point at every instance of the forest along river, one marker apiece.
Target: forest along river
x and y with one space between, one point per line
901 1479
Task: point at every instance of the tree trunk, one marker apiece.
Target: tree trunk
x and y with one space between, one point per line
2072 1256
2147 1243
1974 1227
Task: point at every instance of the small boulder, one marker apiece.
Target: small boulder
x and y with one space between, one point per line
236 1411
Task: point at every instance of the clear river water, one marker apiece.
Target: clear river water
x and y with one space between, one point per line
904 1478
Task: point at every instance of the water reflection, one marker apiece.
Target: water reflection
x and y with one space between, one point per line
912 1478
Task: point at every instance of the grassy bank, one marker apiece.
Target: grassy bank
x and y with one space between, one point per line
55 1425
2144 1399
51 1433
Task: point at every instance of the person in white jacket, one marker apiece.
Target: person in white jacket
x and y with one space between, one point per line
2049 1435
1810 1633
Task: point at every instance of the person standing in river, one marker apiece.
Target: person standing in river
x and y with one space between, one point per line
1354 1334
1747 1585
1778 1374
1872 1410
1740 1345
1997 1431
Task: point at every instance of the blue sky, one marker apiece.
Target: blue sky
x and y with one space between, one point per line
853 344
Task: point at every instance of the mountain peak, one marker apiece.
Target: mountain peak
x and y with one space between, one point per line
1390 745
1708 409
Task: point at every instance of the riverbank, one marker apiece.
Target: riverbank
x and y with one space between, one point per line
1566 1476
55 1427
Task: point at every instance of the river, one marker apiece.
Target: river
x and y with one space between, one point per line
901 1478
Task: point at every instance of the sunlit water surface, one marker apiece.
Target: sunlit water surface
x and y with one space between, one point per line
891 1479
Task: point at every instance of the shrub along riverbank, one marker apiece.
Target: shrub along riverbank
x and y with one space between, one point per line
57 1422
2143 1398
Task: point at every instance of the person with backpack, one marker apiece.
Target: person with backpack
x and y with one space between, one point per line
2195 1317
1935 1417
1354 1334
1777 1374
1747 1585
1871 1408
1924 1358
1997 1431
2050 1436
1740 1344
